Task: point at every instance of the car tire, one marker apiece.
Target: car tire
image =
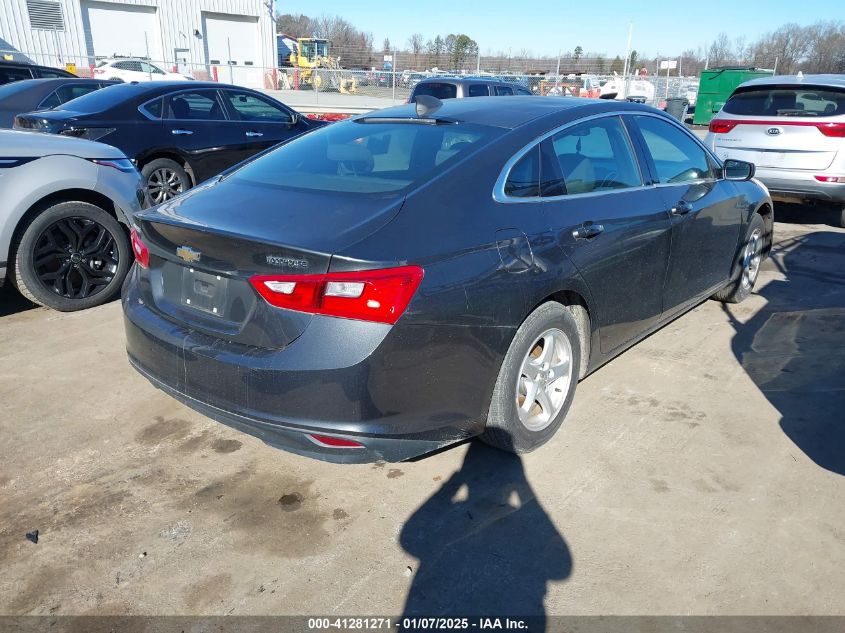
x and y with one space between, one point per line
548 338
842 217
85 253
748 260
164 179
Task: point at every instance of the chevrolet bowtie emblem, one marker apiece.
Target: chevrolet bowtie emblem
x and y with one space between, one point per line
188 254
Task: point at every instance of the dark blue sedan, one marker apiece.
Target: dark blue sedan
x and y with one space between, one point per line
412 277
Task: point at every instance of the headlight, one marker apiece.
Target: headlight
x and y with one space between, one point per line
121 164
88 133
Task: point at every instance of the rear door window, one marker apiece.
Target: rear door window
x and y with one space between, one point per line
8 75
775 101
502 91
590 157
249 107
202 105
440 90
46 73
676 156
478 90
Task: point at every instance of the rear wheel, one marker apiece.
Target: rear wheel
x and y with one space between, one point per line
842 217
749 258
536 383
70 257
165 179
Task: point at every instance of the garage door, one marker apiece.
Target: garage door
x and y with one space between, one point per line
232 45
121 30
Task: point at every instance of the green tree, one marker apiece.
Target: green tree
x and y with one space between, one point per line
632 64
578 53
460 48
616 65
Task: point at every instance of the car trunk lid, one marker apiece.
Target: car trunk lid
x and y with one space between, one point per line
205 248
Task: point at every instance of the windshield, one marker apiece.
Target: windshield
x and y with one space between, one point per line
366 158
312 49
806 101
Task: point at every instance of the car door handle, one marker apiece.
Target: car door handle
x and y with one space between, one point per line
587 231
682 208
255 134
178 132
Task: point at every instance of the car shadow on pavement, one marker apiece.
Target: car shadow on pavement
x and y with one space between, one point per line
12 302
486 546
806 213
794 347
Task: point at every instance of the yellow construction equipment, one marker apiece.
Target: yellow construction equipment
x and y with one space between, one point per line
318 69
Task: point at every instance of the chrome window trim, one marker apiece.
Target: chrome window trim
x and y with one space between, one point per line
500 196
183 91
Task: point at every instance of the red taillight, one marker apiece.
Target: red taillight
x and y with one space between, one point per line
721 127
830 178
99 71
142 254
836 130
368 295
334 442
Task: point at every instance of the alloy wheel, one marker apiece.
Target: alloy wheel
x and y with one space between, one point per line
751 258
75 258
544 379
163 184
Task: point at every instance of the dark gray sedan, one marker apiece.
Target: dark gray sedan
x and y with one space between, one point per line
419 275
31 95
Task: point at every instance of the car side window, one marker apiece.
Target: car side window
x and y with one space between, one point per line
524 91
8 75
478 90
252 108
524 177
149 68
153 108
51 101
676 157
195 106
589 157
45 73
72 91
503 91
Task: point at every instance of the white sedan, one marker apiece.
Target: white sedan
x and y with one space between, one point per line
134 70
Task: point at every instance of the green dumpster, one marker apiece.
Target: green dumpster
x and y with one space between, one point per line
716 85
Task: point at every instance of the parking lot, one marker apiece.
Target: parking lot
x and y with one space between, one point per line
699 473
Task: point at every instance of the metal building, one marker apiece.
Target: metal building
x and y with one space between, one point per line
234 40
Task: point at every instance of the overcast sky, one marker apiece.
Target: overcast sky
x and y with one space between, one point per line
544 27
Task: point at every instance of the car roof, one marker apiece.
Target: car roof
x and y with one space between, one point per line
462 80
509 112
834 81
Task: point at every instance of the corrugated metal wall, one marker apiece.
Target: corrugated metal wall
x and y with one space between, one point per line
177 22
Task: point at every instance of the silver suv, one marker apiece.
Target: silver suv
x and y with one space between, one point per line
793 129
66 204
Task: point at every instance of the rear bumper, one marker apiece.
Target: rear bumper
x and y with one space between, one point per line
399 391
795 185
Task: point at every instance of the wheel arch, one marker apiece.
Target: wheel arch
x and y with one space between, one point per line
69 195
576 303
170 154
765 210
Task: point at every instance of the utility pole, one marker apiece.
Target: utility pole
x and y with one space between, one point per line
626 68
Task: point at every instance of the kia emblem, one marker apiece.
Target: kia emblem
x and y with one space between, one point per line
773 131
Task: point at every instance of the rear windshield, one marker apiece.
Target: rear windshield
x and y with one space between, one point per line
441 90
366 158
788 101
100 100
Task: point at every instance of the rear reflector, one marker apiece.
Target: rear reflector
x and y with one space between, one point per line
833 129
334 442
830 178
369 295
142 254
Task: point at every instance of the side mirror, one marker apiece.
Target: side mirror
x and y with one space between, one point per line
737 170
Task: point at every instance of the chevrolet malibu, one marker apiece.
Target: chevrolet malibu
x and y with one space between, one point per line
412 277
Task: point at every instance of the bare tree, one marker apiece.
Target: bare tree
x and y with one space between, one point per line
720 51
415 43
